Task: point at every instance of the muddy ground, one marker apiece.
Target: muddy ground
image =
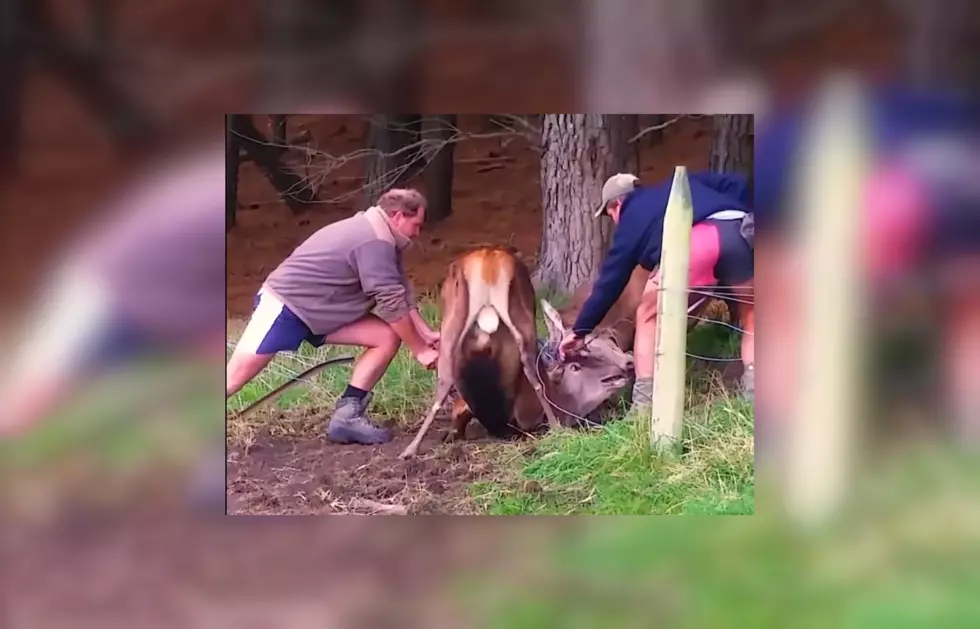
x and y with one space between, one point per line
310 475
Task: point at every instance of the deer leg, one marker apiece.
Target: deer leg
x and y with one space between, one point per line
532 376
528 357
461 419
443 388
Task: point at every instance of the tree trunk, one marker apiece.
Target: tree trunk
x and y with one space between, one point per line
12 75
277 126
439 173
232 159
293 190
102 36
580 152
732 151
940 48
325 61
732 146
393 165
126 120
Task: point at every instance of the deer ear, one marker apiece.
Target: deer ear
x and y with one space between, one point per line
556 329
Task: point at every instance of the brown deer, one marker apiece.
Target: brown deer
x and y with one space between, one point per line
489 352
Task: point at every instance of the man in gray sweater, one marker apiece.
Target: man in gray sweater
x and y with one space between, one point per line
344 285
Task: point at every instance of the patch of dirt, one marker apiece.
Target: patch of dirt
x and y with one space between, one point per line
308 474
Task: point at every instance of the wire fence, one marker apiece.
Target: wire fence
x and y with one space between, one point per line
293 364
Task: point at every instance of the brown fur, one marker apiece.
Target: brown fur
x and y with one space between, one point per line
497 375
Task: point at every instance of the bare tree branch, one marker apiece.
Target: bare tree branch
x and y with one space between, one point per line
319 163
658 127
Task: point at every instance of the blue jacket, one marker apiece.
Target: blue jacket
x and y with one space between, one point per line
898 115
639 234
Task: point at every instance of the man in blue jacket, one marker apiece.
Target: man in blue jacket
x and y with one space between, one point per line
720 256
921 221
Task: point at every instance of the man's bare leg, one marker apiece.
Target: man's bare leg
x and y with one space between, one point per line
745 306
350 423
381 345
242 367
779 267
961 355
645 343
27 403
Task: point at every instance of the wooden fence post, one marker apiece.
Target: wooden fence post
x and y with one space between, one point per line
821 430
669 391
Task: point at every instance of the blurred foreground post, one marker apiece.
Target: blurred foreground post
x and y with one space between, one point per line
831 174
667 423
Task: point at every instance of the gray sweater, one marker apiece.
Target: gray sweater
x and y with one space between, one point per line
345 271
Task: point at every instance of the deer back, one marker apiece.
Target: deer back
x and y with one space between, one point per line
487 365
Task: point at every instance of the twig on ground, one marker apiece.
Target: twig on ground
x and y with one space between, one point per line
379 508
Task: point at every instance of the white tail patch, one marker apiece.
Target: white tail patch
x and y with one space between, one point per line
488 303
488 320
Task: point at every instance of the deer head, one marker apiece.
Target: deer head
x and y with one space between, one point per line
581 383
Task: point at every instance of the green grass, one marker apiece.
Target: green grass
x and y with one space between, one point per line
118 421
607 471
903 554
401 395
613 470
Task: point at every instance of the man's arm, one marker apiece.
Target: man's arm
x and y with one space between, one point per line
615 274
421 326
381 279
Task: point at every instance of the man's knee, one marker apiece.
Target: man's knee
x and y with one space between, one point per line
388 340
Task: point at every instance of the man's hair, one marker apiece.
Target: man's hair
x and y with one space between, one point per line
405 200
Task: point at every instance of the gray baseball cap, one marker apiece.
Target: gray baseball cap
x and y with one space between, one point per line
617 185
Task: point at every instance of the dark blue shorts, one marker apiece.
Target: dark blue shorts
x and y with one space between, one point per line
120 342
275 328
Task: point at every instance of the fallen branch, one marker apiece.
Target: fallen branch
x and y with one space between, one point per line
497 159
489 167
378 508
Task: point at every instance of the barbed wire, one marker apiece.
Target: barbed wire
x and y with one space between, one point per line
281 370
547 347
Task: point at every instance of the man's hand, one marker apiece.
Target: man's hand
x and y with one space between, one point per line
570 345
427 356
